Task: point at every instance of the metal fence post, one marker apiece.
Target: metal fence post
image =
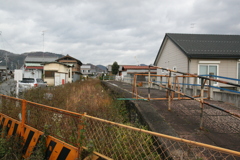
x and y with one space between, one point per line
201 103
161 83
135 85
174 85
210 89
80 133
24 103
149 76
169 91
195 86
184 85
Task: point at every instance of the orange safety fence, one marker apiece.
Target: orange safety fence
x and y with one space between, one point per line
70 133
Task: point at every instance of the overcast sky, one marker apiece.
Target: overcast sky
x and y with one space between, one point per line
104 31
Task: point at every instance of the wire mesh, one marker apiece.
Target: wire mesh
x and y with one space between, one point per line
11 107
58 123
114 140
124 142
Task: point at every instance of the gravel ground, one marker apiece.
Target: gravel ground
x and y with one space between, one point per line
8 87
219 128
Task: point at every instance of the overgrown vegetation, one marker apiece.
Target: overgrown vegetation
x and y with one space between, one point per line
83 96
11 148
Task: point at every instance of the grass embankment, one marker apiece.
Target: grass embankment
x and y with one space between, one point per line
90 97
85 96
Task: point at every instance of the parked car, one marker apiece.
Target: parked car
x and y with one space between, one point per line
28 83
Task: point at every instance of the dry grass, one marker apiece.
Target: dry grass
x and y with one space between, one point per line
82 96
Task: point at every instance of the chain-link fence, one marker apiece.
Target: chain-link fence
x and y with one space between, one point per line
113 140
125 142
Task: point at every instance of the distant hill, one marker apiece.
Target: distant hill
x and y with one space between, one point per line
102 67
15 61
45 54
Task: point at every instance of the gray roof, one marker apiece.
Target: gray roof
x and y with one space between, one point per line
207 45
40 59
64 64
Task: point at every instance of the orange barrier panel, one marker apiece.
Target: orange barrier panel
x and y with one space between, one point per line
31 138
57 149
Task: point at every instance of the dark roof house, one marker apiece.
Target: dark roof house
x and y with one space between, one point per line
200 54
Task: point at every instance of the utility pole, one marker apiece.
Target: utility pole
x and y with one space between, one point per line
192 26
137 60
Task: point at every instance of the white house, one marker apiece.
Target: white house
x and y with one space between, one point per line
33 67
201 54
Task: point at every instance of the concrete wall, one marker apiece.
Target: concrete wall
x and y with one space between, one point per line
223 96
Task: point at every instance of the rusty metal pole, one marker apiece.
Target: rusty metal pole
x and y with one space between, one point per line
161 83
178 87
184 85
133 91
195 86
210 89
136 87
149 83
80 133
169 91
174 85
201 103
24 108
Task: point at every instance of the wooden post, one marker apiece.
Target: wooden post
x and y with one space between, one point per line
24 103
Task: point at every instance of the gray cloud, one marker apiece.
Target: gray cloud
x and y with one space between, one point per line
101 32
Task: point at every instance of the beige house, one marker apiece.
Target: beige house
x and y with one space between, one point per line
75 63
201 54
56 73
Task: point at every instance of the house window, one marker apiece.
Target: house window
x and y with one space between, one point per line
206 69
49 74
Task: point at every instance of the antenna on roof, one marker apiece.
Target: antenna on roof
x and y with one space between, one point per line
137 60
192 26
